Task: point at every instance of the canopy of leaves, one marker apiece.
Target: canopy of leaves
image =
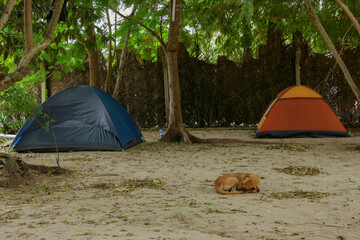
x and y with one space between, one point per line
233 27
218 27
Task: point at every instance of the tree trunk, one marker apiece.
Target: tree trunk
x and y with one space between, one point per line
4 17
175 130
44 83
354 22
166 85
120 72
28 25
110 58
93 56
332 48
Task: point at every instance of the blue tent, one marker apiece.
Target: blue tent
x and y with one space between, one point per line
78 118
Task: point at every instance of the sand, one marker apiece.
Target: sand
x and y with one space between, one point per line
165 191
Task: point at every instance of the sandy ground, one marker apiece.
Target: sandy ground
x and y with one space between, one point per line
165 191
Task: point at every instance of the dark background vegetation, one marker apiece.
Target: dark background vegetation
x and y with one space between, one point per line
226 93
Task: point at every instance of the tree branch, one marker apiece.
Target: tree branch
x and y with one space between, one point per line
27 57
54 20
6 13
152 32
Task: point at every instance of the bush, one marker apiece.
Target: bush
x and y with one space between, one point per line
18 102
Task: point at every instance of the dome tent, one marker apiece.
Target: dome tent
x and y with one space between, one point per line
80 118
299 111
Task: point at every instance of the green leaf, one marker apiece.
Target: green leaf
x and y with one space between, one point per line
57 76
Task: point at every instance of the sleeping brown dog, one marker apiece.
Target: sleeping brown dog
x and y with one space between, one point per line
237 183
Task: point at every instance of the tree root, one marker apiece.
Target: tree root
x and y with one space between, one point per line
179 135
49 169
22 166
182 135
232 140
18 170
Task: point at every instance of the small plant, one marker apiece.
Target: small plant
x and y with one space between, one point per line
46 122
44 188
299 194
10 215
132 184
291 147
212 210
66 222
180 216
44 221
193 203
19 101
300 170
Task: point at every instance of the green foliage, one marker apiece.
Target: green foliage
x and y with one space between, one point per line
213 27
151 14
72 57
232 27
18 102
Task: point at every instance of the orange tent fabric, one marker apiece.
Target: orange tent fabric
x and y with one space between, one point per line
299 111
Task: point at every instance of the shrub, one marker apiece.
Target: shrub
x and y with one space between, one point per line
18 102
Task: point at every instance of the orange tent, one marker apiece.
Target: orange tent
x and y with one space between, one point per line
299 111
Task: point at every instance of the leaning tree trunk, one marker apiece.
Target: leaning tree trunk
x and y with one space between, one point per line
351 16
354 22
120 71
332 48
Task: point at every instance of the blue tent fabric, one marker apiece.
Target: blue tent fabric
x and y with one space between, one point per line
78 118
